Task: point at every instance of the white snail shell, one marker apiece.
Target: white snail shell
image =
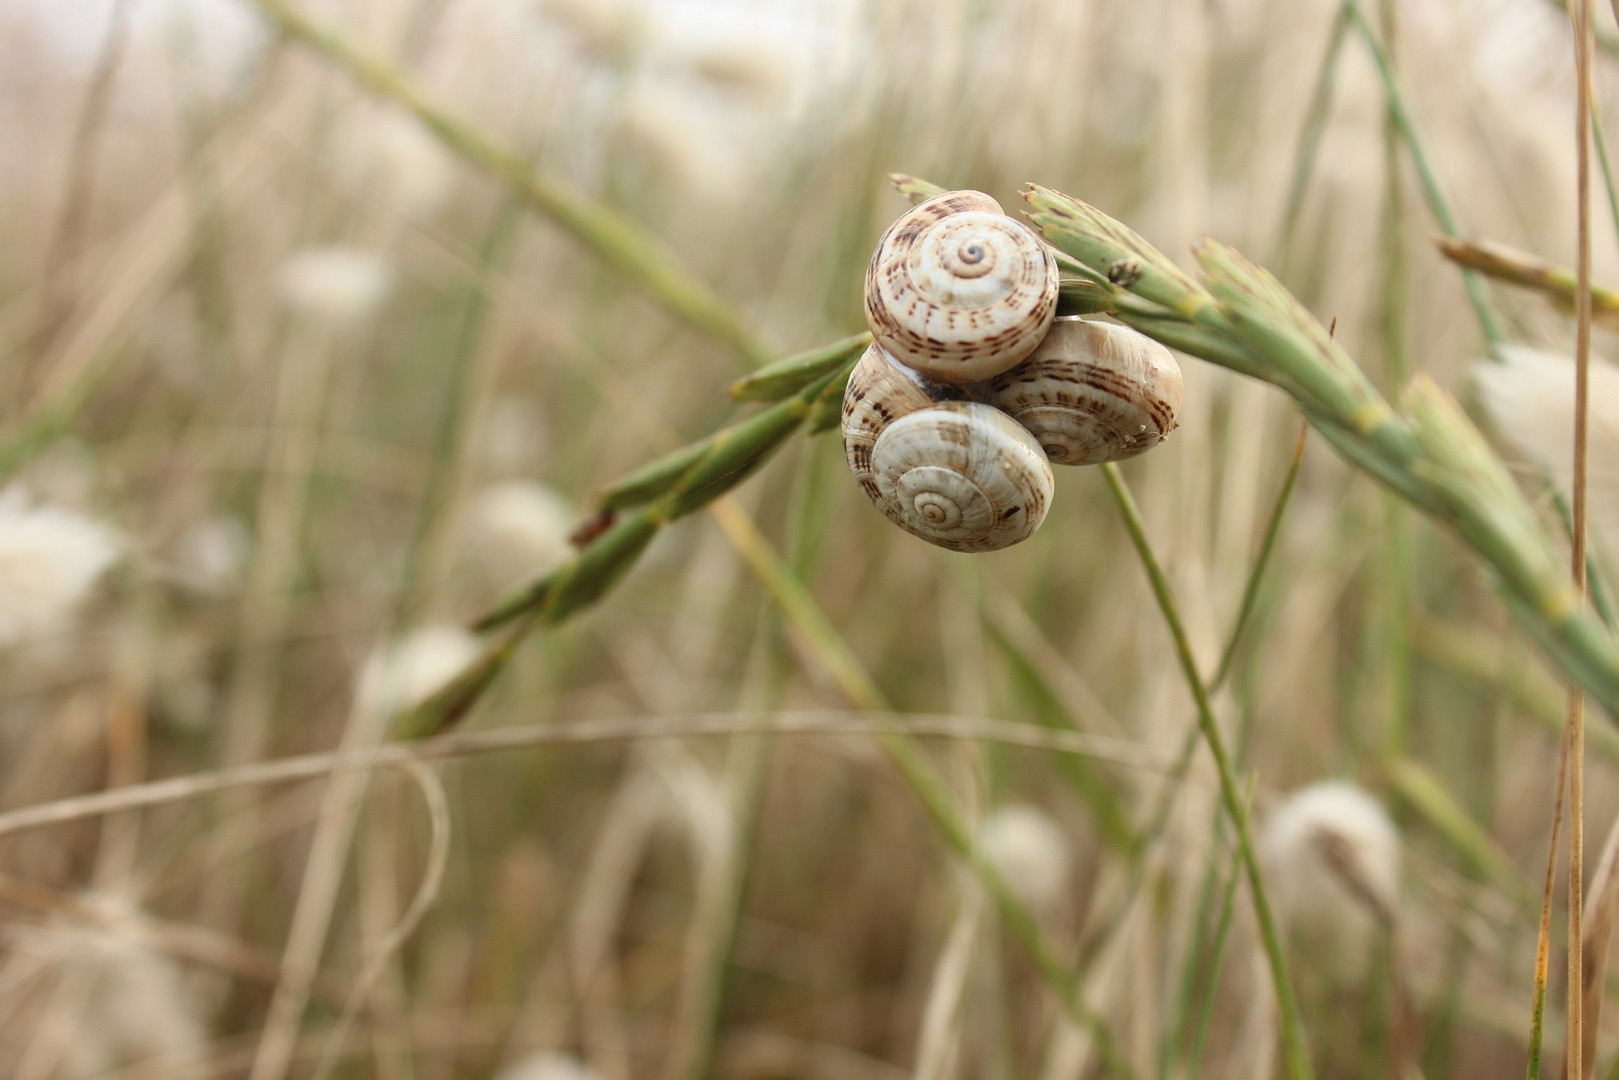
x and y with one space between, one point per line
963 476
958 290
880 391
1092 392
957 473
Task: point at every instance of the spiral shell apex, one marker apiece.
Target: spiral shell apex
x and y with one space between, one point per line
1092 392
958 290
960 475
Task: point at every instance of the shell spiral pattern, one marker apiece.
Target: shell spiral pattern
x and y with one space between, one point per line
1092 392
958 290
963 476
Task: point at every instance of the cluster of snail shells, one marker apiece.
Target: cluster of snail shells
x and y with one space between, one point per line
973 388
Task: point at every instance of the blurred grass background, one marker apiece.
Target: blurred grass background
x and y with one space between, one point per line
299 356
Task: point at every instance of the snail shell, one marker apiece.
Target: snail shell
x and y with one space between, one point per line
1092 392
959 474
963 476
958 290
880 391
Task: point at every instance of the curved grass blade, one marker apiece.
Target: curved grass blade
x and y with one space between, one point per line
787 377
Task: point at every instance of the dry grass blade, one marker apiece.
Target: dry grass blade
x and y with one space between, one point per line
1602 909
194 943
427 890
293 770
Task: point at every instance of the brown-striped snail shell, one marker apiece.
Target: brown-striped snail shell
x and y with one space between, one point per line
958 290
959 474
1092 392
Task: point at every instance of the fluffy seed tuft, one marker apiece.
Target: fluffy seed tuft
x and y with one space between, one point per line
336 285
1030 851
1332 860
50 559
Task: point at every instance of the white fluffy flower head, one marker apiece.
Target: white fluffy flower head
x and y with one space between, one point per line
520 530
407 672
211 556
391 159
1332 859
1029 850
336 284
50 559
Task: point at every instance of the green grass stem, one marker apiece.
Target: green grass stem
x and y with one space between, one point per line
1222 937
1250 588
1488 323
1430 454
1309 140
1296 1054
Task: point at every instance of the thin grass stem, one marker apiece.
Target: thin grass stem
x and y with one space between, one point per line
1309 140
1296 1056
1393 637
1543 934
1437 203
1222 937
1583 92
1256 575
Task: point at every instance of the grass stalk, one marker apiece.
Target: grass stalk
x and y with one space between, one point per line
67 235
463 376
1393 637
623 244
1575 1036
1609 184
1250 587
747 768
1222 936
1427 795
1052 708
1429 452
1296 1055
1315 124
1543 934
